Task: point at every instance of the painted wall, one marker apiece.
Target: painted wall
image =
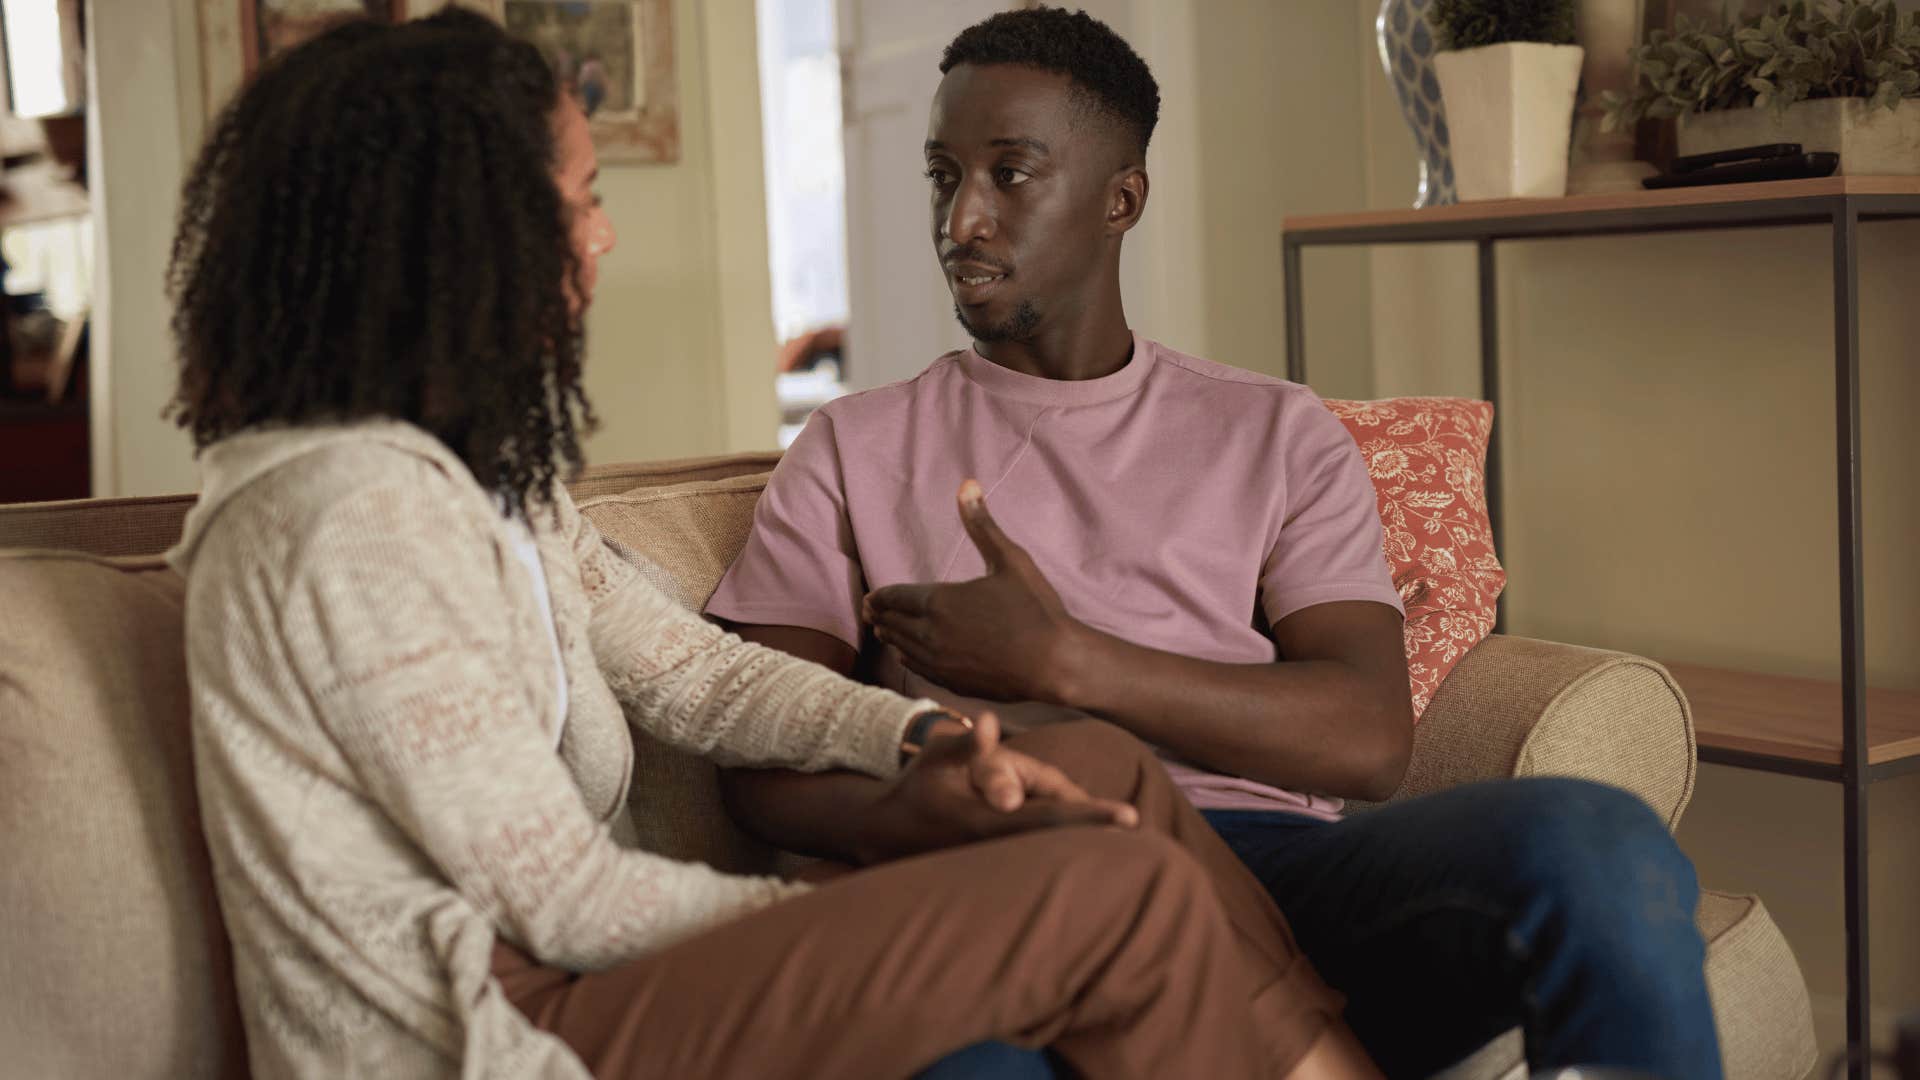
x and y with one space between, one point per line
137 161
680 345
1669 439
1262 115
680 341
1281 131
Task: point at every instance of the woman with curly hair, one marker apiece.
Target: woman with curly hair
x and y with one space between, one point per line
413 665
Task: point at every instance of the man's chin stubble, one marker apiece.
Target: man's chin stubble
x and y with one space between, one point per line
1020 327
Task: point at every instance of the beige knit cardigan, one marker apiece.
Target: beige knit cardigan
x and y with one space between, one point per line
369 671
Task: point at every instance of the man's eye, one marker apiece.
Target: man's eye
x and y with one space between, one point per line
939 177
1011 176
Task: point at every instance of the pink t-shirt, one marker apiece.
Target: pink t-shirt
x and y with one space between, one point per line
1175 503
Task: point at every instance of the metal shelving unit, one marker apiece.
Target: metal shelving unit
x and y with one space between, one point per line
1836 731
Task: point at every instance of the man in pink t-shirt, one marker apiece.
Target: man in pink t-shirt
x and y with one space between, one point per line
1192 553
1128 492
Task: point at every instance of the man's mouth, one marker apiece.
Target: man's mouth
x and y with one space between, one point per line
972 282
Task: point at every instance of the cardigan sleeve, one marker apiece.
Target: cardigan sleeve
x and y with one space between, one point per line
694 686
393 612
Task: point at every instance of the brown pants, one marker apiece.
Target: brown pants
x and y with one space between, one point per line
1133 953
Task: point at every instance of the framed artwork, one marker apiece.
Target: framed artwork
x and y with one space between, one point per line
617 58
274 26
237 36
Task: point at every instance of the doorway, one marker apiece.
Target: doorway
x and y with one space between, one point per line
858 300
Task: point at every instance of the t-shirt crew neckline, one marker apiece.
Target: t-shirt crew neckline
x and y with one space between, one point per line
1062 393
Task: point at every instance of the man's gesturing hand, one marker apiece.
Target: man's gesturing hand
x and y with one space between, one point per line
969 786
1005 636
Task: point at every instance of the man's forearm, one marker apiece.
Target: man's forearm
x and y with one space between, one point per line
822 814
1337 734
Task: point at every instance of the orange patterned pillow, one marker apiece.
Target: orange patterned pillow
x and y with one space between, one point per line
1427 457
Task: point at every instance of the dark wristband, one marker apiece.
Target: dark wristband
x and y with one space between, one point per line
914 739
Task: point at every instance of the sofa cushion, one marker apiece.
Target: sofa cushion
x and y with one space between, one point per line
112 957
1428 459
685 536
1521 707
1760 1005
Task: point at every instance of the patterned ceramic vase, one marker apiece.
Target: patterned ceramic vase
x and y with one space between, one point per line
1407 46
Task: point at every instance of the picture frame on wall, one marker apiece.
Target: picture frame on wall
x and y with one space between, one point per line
268 27
237 36
617 58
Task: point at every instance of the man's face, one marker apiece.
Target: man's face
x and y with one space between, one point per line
1018 170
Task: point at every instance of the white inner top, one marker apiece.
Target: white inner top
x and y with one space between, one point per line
528 553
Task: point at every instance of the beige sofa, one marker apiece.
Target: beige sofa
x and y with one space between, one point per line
112 959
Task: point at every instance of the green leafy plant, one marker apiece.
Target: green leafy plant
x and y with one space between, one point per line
1787 53
1469 24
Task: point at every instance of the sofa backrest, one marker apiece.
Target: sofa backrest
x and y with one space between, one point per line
686 535
149 525
112 958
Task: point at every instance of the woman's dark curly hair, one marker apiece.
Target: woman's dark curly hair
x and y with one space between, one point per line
373 230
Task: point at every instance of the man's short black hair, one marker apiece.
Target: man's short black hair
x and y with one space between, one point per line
1071 43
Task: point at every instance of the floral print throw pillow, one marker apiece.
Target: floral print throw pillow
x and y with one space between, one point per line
1427 458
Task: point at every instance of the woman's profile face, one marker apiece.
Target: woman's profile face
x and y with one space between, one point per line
575 170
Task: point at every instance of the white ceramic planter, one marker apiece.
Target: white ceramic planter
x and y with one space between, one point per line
1509 115
1870 141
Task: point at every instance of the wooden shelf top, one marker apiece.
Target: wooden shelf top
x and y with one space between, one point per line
1793 718
1494 212
35 193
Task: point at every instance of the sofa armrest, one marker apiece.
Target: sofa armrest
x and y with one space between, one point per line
1520 707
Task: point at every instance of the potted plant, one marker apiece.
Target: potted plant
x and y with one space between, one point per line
1839 75
1508 72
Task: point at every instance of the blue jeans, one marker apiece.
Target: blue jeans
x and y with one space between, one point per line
992 1061
1558 906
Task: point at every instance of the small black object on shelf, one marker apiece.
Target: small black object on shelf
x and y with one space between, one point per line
1746 165
1695 162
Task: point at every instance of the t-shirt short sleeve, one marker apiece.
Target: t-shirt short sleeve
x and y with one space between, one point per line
799 566
1329 544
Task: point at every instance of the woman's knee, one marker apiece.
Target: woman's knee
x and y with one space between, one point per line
1114 860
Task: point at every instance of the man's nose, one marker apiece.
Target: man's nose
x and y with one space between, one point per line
969 216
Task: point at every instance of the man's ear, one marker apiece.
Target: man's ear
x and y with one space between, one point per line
1126 199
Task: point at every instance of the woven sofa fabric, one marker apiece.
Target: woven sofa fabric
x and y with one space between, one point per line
690 531
149 525
686 535
1760 1004
115 528
112 958
621 477
1520 707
